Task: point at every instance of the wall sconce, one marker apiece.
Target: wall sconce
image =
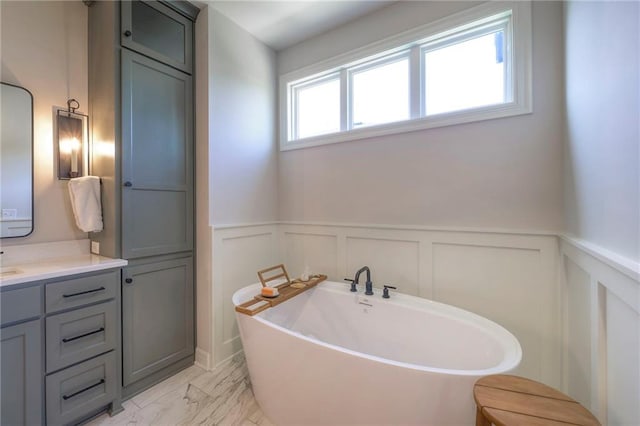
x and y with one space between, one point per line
72 140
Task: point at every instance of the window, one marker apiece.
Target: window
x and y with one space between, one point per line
317 107
466 74
380 92
471 66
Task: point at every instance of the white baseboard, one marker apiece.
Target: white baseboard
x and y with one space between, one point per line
203 359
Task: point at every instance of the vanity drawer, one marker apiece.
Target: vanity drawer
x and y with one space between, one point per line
18 305
75 392
81 291
77 335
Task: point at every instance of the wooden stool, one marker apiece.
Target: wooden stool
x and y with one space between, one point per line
510 400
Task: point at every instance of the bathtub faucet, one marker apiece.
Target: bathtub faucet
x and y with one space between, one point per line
368 284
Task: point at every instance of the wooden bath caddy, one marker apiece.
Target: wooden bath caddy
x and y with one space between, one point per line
286 290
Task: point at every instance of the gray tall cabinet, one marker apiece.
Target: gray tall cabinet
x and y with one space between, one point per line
141 107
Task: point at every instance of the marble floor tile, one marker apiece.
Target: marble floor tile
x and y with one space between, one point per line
257 417
225 378
195 397
122 418
179 407
166 386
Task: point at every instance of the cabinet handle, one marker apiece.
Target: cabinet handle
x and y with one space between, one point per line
128 280
71 339
127 33
83 292
128 184
65 397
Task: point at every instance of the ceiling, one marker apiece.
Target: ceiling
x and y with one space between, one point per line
280 24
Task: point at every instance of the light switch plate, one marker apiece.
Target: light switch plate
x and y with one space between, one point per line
95 247
9 213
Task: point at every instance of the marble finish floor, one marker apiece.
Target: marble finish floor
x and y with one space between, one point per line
195 397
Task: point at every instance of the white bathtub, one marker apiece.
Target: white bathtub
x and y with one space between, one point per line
332 357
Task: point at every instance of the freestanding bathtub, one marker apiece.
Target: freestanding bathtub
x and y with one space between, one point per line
332 357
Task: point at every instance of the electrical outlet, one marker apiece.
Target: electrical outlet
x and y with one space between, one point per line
9 213
95 247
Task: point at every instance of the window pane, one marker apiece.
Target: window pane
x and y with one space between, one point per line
465 75
318 109
381 94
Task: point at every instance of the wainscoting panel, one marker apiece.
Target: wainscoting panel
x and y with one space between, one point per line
509 278
238 253
576 313
602 334
395 256
509 283
392 262
317 253
578 332
623 367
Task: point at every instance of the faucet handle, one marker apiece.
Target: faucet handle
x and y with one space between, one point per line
353 284
385 291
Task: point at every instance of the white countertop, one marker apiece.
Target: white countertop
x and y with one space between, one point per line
54 268
23 264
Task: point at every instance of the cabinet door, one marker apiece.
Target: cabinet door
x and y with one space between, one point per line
157 150
22 387
158 32
157 316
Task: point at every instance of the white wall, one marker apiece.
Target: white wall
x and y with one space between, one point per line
504 173
44 49
377 25
574 310
602 167
242 114
601 262
236 157
204 255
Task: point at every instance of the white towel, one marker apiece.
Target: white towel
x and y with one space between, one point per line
85 201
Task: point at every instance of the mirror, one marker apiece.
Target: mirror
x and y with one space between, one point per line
16 161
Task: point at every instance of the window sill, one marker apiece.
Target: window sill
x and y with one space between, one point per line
423 123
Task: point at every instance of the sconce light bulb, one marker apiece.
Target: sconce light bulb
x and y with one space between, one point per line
66 146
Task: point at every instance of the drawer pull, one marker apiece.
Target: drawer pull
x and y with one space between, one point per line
83 292
71 339
65 397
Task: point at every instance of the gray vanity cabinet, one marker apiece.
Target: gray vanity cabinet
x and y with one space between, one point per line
22 387
157 158
60 349
157 315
